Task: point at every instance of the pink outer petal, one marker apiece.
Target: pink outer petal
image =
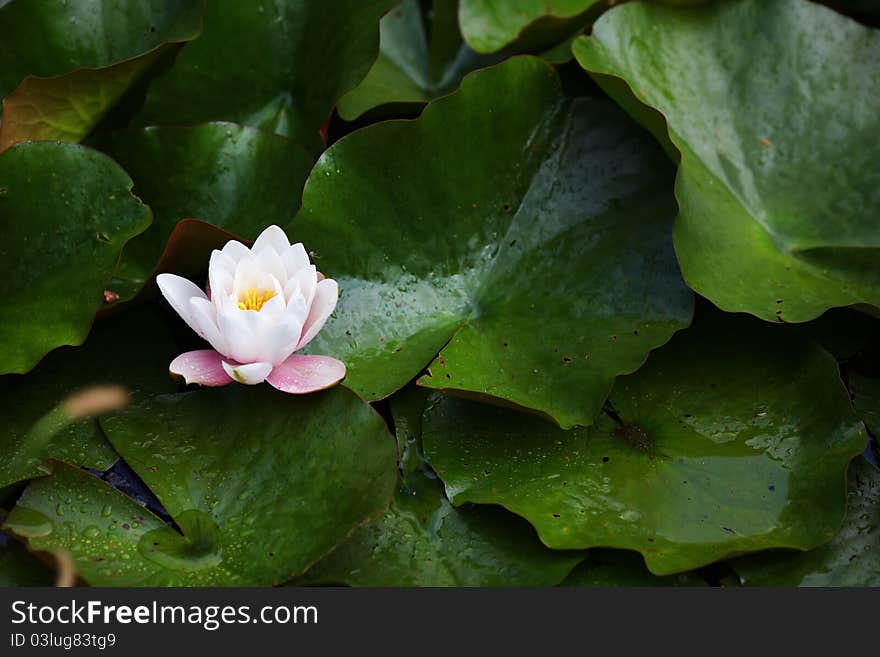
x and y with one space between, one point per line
204 366
301 374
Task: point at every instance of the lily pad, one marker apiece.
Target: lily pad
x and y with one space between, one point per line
131 349
733 438
766 225
524 25
422 540
51 37
529 231
67 107
618 568
67 212
850 559
319 51
416 63
256 502
237 178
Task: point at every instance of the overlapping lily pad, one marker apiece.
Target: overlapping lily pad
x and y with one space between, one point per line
778 183
237 178
18 567
319 51
260 484
51 37
524 25
416 63
529 231
851 558
422 540
733 438
67 211
67 107
132 349
618 568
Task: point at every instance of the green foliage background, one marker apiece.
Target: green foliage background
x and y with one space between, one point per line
609 291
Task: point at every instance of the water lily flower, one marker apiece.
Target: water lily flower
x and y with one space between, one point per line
262 305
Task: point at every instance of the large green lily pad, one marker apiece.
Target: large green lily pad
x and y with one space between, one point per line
850 559
132 349
261 484
67 211
276 65
422 540
778 184
528 231
51 37
237 178
417 62
733 438
523 25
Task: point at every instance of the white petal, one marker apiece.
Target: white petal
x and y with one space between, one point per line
235 250
326 296
270 262
279 342
295 258
274 238
303 283
178 291
205 316
249 275
220 271
250 374
273 310
240 330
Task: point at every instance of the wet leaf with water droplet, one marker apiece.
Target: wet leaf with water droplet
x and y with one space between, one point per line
52 269
261 484
733 438
236 178
778 184
579 267
851 558
422 540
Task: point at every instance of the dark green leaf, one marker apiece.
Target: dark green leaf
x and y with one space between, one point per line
733 438
67 211
778 183
132 349
237 178
527 230
279 65
422 540
866 399
18 567
51 37
617 568
851 558
67 107
260 483
416 63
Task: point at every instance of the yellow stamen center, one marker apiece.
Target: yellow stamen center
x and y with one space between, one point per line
254 299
